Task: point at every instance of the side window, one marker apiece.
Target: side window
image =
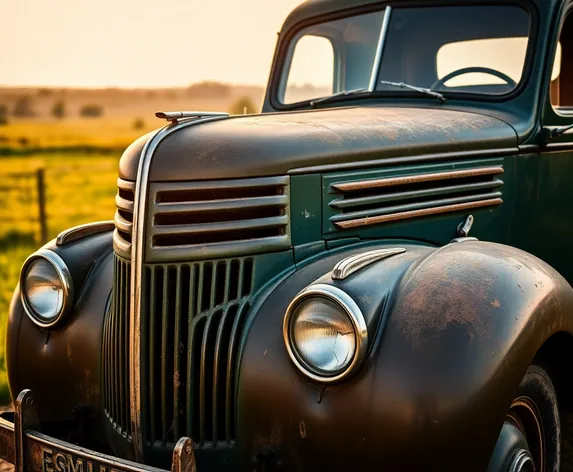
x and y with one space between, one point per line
562 74
311 72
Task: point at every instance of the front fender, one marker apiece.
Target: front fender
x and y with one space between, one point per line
461 326
62 364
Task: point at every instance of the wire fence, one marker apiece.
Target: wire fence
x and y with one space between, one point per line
23 205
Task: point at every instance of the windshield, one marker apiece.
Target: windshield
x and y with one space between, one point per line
451 50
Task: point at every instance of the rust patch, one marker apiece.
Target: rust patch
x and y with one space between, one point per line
445 293
302 429
176 381
495 303
418 178
403 215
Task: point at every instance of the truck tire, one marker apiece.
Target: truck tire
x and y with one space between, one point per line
535 411
567 441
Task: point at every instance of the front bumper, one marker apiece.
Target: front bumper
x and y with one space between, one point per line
31 451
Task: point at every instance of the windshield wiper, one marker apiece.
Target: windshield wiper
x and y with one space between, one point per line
335 96
426 91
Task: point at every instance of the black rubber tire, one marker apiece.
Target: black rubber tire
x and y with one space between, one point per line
566 441
537 386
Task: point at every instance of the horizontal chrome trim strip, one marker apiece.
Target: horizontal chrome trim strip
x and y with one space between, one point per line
214 205
554 147
417 178
357 223
390 161
123 204
346 267
222 226
166 187
82 231
126 185
352 202
413 206
195 252
121 246
122 224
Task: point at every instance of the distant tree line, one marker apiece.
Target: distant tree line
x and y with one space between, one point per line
23 108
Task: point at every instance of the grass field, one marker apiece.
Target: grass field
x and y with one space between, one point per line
79 189
115 132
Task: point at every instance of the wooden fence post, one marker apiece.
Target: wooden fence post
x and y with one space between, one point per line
42 218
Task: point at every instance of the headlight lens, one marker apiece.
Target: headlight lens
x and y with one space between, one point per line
45 287
325 333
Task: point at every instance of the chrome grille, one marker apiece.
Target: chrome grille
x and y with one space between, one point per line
191 322
115 352
200 220
123 218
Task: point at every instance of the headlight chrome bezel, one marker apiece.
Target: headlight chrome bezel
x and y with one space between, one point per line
354 313
65 277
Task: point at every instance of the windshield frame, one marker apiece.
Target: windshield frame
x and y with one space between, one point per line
284 48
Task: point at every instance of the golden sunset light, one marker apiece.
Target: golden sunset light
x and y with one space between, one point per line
138 43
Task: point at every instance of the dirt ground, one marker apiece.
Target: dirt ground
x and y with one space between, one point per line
6 466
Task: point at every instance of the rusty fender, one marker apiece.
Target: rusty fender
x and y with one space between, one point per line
62 365
458 327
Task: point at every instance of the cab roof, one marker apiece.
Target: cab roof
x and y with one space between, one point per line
314 8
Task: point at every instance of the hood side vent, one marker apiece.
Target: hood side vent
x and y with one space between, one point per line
384 200
198 220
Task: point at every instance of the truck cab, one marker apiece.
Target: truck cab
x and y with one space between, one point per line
374 272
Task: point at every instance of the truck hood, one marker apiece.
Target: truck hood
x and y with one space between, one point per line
274 144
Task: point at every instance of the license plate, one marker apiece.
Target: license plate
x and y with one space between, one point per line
31 451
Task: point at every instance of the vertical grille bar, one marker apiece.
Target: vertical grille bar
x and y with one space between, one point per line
152 355
115 351
164 348
177 354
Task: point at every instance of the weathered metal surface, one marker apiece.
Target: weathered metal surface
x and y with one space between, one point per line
183 457
273 144
25 419
416 213
459 327
417 178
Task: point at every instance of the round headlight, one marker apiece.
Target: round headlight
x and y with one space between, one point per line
45 288
325 333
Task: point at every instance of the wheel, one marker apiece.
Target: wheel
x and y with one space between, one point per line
530 439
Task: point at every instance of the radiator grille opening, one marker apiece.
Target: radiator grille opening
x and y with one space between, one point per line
210 194
221 218
192 317
193 323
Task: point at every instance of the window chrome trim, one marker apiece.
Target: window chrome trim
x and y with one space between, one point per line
380 49
65 277
345 301
82 231
137 250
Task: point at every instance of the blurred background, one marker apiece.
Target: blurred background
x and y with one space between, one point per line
81 79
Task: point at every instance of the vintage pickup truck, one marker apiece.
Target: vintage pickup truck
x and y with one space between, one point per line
373 273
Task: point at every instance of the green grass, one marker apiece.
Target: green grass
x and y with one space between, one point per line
79 189
99 132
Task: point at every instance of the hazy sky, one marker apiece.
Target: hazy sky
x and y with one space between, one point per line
138 43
